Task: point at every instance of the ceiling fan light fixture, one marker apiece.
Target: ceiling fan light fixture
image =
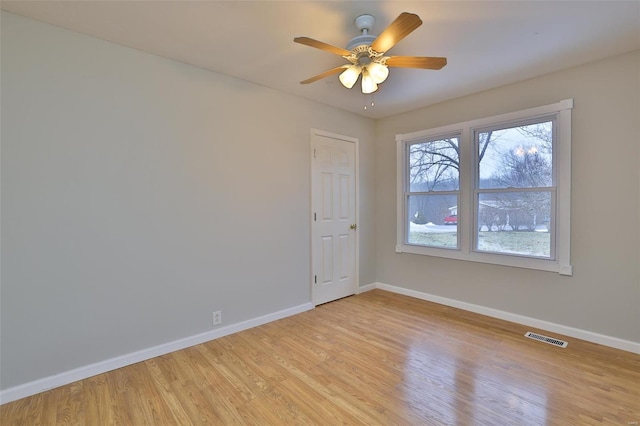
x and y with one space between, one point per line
378 72
365 53
368 83
349 76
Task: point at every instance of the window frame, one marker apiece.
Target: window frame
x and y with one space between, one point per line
467 216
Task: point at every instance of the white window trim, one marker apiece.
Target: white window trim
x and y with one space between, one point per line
562 157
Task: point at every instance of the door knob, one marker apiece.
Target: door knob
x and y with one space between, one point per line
353 226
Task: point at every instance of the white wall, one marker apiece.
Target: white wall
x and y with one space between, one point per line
140 194
603 295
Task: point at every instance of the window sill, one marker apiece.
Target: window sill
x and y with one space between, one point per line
514 261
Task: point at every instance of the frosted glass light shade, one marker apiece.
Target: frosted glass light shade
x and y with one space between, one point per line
368 84
349 76
378 72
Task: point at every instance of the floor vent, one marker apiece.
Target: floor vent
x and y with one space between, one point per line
545 339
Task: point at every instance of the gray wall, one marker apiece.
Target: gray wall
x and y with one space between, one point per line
603 295
140 194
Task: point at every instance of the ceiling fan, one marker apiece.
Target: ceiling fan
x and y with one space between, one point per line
366 53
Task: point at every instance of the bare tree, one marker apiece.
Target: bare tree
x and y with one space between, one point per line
542 132
527 166
435 165
432 162
524 168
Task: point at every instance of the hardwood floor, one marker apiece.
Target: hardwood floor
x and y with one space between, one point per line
377 359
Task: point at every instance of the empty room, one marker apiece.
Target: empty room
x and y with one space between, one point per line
320 212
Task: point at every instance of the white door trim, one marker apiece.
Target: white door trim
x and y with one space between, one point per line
356 142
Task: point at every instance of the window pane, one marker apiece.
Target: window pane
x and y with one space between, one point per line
515 223
433 220
517 157
434 165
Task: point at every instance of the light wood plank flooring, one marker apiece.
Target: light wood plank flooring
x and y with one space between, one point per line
373 359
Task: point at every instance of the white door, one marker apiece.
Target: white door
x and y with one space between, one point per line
333 205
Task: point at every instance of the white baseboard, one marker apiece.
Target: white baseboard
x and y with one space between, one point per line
41 385
589 336
367 287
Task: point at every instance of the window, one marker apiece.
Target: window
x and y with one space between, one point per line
495 190
433 191
514 191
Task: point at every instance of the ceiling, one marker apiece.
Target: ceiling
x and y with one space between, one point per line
487 43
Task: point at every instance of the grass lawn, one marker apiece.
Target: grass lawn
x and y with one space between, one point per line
444 239
525 243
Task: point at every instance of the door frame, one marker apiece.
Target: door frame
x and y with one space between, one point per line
356 142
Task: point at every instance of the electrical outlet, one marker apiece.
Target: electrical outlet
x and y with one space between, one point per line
217 318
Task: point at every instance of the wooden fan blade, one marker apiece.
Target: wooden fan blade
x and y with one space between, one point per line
404 24
335 70
322 46
426 63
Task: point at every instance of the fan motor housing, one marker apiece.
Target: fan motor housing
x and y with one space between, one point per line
361 40
364 23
